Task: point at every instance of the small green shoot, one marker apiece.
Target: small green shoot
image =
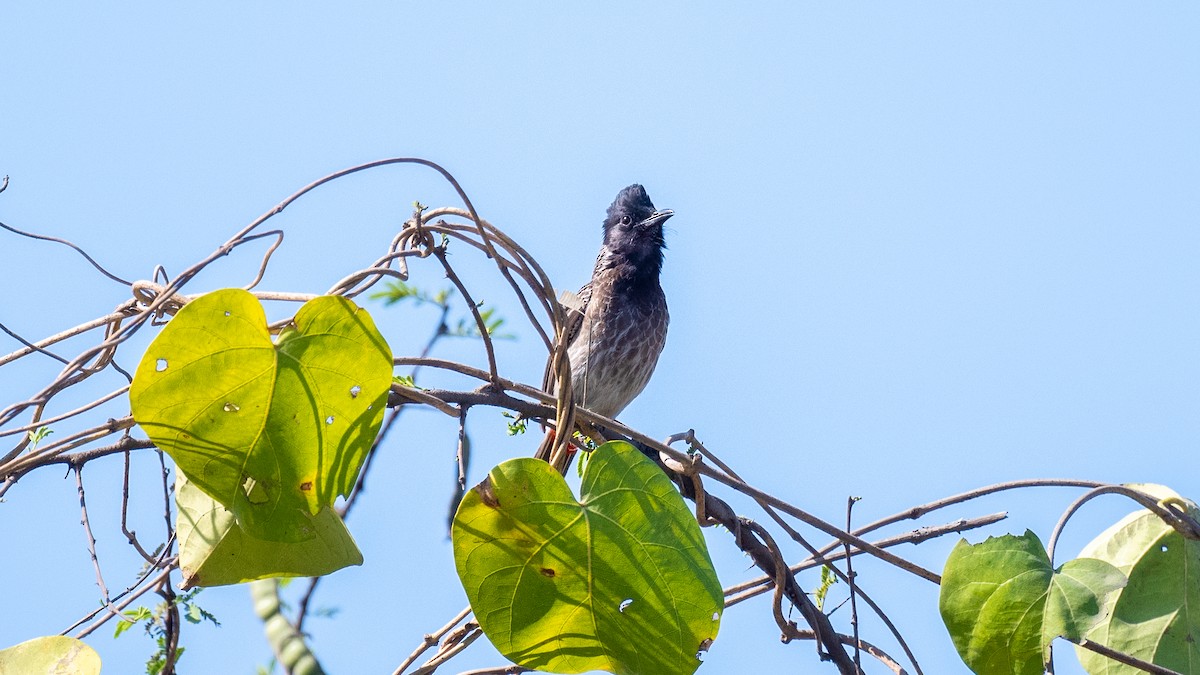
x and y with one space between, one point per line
155 621
38 435
828 579
397 291
518 425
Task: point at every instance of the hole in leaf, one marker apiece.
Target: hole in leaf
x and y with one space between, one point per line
716 615
231 407
704 645
624 604
255 494
355 391
306 485
160 365
547 572
226 312
329 420
1164 548
371 407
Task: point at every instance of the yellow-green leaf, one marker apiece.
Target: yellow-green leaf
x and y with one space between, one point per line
213 551
53 655
273 431
1156 617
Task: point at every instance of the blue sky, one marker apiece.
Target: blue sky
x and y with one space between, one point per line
918 249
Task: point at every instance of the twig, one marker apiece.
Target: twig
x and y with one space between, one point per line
171 629
64 242
69 333
421 396
439 252
1123 657
161 578
123 599
91 540
880 655
58 418
266 259
759 585
452 646
916 512
432 639
20 466
130 535
166 486
1179 520
852 583
31 346
461 452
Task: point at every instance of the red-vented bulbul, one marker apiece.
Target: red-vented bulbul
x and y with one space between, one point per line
618 329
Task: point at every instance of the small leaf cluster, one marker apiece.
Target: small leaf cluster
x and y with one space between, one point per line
155 625
396 291
38 435
517 425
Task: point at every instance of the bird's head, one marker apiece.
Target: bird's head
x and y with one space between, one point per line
633 229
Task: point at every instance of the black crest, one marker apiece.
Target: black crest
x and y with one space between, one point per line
633 202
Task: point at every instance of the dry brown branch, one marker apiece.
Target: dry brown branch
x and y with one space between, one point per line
1124 658
452 646
431 639
880 655
1170 514
748 589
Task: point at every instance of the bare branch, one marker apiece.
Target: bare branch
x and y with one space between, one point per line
1123 657
431 639
64 242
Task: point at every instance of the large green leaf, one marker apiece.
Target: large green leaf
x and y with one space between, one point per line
618 581
1156 617
213 551
272 431
53 655
1003 604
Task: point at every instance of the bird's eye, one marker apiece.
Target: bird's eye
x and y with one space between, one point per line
625 220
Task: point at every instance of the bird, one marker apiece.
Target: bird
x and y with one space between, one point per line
618 326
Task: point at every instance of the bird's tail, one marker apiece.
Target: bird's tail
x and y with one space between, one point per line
543 451
546 449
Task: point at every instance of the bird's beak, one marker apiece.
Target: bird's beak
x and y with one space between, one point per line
658 218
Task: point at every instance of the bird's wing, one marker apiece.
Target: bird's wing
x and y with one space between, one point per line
576 310
576 306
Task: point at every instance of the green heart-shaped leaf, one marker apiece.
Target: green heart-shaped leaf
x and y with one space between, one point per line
1003 604
618 581
213 551
273 431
